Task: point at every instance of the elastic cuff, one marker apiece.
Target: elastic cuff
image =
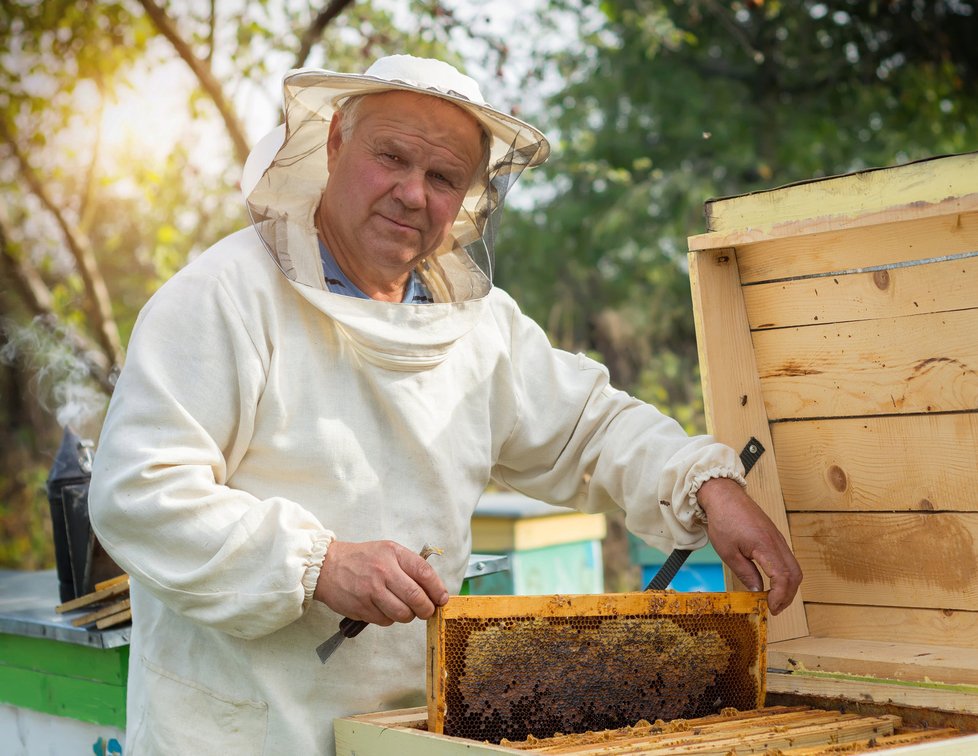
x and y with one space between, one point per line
716 472
314 564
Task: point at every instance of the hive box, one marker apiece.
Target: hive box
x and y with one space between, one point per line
837 322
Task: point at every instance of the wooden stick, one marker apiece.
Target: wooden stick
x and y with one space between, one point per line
115 619
98 614
123 578
92 598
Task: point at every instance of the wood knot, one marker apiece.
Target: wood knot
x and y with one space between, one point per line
882 279
838 479
925 504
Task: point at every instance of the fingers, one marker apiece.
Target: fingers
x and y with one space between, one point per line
746 573
784 572
745 538
380 582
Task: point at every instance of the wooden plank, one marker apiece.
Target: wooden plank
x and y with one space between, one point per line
900 559
775 741
114 619
93 598
739 732
905 187
888 293
366 738
639 603
123 578
644 732
917 662
901 462
862 247
925 363
875 744
894 624
742 238
732 396
870 691
107 611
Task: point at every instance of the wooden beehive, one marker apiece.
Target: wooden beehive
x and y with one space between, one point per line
837 322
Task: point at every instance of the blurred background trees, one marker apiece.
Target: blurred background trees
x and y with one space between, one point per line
123 126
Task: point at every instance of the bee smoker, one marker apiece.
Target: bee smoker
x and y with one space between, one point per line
81 560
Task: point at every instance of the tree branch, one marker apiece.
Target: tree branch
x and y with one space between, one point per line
37 296
104 324
315 30
164 24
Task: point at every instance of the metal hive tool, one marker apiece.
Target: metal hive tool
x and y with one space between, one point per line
513 666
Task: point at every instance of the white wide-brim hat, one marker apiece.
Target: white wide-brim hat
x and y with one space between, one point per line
285 174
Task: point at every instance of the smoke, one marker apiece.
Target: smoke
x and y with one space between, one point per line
61 379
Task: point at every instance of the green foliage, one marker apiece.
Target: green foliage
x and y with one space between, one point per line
76 85
674 102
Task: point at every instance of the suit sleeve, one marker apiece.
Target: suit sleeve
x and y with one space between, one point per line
582 443
180 420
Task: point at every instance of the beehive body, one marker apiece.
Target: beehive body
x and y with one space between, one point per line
837 321
513 666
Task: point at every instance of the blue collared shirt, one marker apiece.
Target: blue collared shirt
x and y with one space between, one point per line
337 282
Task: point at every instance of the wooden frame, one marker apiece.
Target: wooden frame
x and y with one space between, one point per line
521 663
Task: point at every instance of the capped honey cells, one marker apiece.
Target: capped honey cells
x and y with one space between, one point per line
518 666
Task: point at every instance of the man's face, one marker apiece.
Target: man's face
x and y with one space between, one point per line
396 184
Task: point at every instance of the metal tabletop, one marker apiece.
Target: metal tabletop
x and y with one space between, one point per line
28 600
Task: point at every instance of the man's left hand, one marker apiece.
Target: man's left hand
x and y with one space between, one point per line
745 538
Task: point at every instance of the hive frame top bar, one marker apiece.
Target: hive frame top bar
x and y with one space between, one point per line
576 605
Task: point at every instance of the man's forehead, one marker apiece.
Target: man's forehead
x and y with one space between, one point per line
396 104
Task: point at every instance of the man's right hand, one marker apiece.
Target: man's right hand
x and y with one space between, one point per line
380 582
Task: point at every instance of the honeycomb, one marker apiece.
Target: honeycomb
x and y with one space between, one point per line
531 673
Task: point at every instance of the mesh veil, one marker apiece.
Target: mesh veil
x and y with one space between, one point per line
284 199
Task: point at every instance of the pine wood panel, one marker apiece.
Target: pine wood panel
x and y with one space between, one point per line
925 363
732 396
839 198
938 627
907 462
947 665
904 560
889 293
883 693
836 250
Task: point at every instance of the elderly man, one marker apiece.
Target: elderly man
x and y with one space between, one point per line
317 396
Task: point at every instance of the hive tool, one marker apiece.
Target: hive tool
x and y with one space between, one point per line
350 628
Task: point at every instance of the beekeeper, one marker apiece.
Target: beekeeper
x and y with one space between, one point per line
317 396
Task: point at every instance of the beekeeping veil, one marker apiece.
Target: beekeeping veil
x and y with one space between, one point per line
286 173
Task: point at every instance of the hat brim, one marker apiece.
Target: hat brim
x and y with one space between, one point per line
307 86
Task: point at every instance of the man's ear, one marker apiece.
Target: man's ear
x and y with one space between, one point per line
335 138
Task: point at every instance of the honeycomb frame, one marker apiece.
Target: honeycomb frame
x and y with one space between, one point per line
517 666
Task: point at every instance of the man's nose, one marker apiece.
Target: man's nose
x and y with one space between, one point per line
410 190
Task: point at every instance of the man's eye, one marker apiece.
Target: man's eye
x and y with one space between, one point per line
442 178
390 156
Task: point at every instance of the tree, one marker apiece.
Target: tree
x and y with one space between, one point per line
99 211
674 102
